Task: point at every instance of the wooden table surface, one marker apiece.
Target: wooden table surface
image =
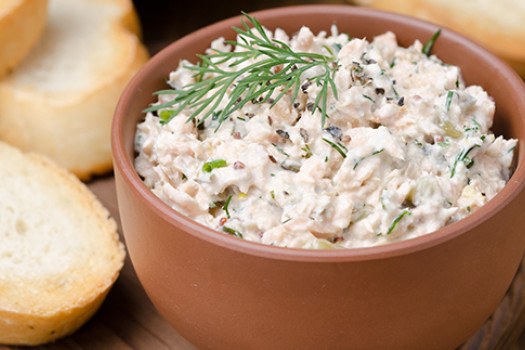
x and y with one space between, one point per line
127 319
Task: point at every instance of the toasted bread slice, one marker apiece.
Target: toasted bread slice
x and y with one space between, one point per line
60 100
21 24
60 250
498 25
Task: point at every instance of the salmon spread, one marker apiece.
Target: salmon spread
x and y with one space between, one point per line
399 148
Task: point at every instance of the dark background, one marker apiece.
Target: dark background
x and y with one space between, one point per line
165 21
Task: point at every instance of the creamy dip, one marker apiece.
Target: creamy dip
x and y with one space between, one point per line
406 149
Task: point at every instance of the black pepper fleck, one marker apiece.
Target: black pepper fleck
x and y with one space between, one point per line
282 134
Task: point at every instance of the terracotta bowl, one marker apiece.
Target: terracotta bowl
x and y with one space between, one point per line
220 292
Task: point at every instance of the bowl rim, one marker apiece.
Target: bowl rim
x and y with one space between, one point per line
514 186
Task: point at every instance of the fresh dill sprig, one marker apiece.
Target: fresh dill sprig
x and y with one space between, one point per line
275 67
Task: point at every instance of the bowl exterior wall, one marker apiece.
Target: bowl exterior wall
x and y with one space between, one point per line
431 296
220 298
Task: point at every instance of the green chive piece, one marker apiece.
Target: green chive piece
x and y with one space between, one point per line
397 219
429 44
336 147
232 232
392 65
374 153
166 115
225 207
450 96
209 166
462 156
369 98
308 151
280 150
285 221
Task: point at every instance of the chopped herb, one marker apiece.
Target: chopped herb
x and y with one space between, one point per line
468 208
280 150
395 92
397 219
166 115
326 159
477 126
462 157
450 95
184 177
417 142
225 207
232 232
335 146
215 115
427 48
308 151
511 149
285 221
393 63
272 193
241 118
209 166
369 98
360 160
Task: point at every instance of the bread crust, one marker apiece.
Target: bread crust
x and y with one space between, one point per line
70 123
60 297
497 25
21 25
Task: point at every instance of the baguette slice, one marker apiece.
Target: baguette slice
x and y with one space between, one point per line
497 25
60 100
60 250
21 24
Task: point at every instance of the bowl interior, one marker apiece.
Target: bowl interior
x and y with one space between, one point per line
478 67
